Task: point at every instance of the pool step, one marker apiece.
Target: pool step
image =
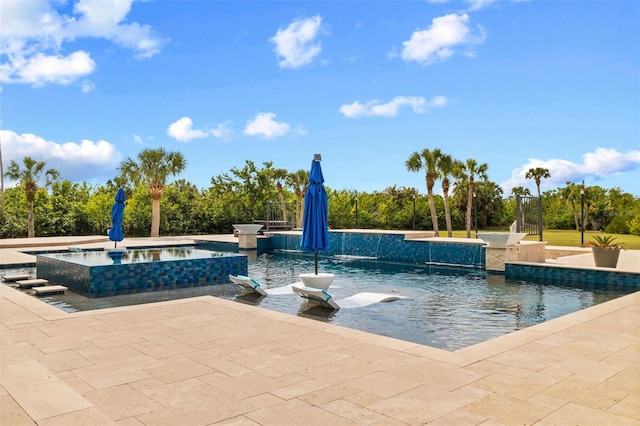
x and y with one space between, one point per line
14 278
38 282
50 289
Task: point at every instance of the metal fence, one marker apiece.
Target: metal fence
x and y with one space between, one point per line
529 215
280 216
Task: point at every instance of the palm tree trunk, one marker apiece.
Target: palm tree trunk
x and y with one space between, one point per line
447 213
468 215
434 215
31 231
299 211
282 203
155 217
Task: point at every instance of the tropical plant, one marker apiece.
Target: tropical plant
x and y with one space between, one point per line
467 172
298 181
280 176
608 242
29 179
428 161
153 168
537 174
446 167
242 195
571 195
520 190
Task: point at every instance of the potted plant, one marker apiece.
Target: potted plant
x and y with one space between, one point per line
606 250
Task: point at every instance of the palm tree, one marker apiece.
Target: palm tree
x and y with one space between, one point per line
29 178
520 190
428 160
298 181
537 174
468 171
446 167
571 196
153 168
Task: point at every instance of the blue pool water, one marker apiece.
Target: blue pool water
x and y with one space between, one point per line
123 257
448 308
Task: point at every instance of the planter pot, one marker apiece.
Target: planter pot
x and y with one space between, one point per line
606 257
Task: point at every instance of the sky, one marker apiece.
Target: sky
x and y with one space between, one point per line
85 84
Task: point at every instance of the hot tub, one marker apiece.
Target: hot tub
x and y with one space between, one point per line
113 272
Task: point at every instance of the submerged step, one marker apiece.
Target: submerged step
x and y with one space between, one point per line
38 282
50 289
14 278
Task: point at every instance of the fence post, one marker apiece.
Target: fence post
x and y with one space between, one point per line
540 216
519 224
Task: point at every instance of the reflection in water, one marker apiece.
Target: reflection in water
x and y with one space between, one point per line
309 310
251 298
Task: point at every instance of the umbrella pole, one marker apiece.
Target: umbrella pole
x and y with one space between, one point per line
316 263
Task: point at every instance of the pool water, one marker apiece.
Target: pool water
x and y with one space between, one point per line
123 257
448 308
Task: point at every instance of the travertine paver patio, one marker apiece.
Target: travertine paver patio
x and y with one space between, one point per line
207 361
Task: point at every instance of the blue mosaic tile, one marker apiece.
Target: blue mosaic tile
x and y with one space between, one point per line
110 280
568 275
392 247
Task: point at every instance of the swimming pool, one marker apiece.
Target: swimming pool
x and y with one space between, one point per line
443 307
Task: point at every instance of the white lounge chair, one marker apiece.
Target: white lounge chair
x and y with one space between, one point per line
315 295
248 284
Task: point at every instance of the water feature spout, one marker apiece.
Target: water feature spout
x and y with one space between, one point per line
501 239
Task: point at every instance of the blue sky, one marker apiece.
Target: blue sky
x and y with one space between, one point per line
514 84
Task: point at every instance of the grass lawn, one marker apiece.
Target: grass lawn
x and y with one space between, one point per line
567 238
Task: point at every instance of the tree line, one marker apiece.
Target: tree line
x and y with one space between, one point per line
45 204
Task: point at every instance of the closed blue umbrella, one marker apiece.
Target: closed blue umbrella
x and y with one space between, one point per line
115 233
315 221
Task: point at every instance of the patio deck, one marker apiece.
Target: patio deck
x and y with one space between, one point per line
204 361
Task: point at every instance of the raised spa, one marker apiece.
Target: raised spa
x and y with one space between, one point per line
109 273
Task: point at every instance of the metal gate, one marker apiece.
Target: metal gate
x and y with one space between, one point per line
280 216
529 215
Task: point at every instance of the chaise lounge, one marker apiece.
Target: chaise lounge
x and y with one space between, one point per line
249 285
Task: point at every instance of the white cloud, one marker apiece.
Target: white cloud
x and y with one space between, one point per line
183 131
86 160
105 19
33 35
602 163
41 69
265 125
222 131
296 44
438 42
474 4
375 109
479 4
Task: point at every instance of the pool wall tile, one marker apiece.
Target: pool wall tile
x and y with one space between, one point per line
568 275
392 247
111 280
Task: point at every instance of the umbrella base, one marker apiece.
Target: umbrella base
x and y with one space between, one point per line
321 281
